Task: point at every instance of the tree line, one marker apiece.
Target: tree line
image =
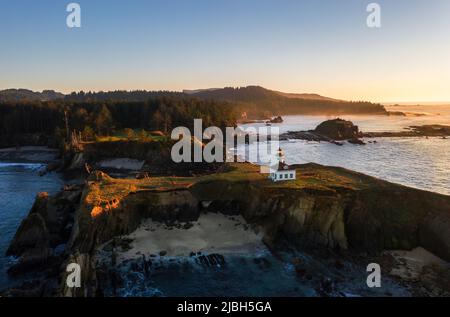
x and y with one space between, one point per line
104 116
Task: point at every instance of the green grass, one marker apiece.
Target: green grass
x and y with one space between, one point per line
312 177
120 135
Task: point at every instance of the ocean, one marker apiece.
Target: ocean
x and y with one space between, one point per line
19 184
418 162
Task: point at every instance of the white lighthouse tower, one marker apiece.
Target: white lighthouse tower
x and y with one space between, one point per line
282 171
280 154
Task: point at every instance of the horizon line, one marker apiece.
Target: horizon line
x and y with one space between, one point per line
385 103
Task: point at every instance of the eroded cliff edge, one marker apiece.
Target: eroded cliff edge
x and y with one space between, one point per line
327 206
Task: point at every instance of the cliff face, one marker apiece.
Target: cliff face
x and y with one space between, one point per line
40 240
98 224
311 219
370 220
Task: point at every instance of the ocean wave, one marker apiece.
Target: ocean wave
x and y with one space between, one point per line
30 166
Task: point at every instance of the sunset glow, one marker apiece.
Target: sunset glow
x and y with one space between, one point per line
319 47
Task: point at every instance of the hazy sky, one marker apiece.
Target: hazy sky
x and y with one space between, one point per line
312 46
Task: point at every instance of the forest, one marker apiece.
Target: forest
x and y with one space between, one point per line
97 115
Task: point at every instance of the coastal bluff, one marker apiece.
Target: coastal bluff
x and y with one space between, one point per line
325 207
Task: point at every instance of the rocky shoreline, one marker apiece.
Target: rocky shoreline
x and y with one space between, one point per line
338 130
414 131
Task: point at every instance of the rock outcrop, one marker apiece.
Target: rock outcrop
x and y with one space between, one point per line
338 129
33 232
329 131
434 234
41 237
277 119
433 130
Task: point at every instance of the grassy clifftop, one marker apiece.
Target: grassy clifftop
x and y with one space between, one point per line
309 177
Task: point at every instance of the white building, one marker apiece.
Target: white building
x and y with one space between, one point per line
282 171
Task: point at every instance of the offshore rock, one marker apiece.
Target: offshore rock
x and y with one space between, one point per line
33 232
338 129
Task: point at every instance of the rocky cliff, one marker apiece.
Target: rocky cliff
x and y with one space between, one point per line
41 240
325 206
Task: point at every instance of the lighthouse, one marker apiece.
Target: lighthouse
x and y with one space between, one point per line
280 155
282 171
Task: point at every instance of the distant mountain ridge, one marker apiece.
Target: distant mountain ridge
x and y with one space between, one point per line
250 101
305 96
195 91
16 95
256 90
260 102
45 95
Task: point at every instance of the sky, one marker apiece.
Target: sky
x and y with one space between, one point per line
303 46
